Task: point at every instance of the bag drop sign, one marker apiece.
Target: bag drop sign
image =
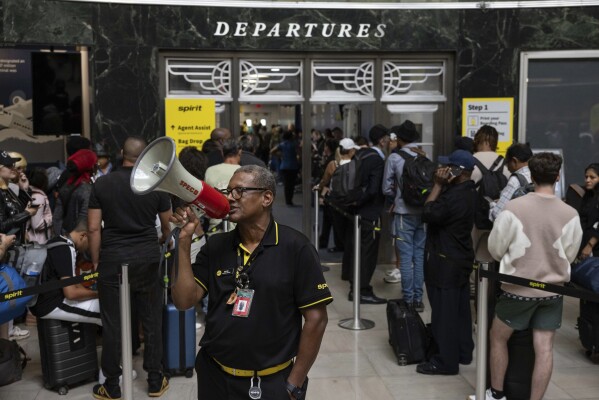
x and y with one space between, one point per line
189 121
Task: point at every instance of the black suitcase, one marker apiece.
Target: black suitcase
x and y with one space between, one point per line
518 377
407 333
588 329
68 353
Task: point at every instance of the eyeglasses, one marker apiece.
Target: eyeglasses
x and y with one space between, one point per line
237 192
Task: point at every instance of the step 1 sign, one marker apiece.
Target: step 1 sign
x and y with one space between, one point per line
494 111
189 121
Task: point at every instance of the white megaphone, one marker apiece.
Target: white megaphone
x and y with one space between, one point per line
157 168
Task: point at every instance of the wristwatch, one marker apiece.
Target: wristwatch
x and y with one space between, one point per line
296 392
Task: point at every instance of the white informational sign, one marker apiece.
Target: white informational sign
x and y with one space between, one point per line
497 112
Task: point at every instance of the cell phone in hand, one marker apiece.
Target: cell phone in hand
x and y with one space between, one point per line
34 205
455 171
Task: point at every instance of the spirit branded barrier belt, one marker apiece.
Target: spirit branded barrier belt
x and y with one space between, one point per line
546 287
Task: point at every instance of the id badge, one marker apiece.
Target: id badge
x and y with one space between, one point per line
243 302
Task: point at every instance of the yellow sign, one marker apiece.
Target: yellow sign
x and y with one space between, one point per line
189 121
495 111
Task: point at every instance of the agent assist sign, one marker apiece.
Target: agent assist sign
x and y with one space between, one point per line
497 112
189 121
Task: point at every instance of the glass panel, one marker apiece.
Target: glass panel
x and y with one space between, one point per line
422 115
410 81
563 111
342 81
266 80
199 78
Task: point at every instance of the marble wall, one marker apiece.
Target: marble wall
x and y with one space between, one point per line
125 41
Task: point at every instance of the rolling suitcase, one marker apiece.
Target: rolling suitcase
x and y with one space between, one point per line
588 329
179 340
407 333
68 353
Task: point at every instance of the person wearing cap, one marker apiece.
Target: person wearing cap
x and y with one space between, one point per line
15 210
104 164
449 214
347 149
369 205
408 227
73 197
516 158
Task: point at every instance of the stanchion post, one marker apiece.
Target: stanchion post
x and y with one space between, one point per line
355 323
316 207
126 347
482 330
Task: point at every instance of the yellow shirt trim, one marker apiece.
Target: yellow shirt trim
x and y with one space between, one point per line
201 284
316 302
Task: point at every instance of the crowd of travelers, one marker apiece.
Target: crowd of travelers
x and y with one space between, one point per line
470 206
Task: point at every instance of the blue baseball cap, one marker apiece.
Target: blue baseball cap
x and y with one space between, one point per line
459 158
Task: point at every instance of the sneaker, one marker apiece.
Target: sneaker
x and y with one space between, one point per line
395 277
198 326
489 395
157 388
391 271
418 306
102 378
102 393
18 334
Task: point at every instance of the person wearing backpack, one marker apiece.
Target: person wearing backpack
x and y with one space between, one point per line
75 303
368 202
39 227
407 220
520 181
485 155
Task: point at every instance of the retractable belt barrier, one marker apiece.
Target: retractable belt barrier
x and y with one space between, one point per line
546 287
49 286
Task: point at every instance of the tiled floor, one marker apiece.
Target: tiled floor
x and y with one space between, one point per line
358 365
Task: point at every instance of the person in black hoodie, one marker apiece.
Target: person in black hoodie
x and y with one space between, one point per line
589 213
369 204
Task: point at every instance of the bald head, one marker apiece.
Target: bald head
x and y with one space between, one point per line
132 148
220 135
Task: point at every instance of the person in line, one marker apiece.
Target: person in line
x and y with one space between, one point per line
528 244
73 197
333 158
218 176
39 227
449 214
516 158
75 303
589 213
289 164
213 147
248 145
104 164
369 205
128 236
253 341
407 220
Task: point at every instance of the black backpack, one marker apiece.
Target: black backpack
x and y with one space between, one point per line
344 188
12 362
489 189
525 186
416 178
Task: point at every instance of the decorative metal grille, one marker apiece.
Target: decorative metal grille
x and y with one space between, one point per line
266 80
199 78
343 81
404 81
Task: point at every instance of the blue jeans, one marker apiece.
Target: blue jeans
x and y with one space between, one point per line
410 239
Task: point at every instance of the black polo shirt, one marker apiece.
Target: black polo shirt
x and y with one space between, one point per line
286 275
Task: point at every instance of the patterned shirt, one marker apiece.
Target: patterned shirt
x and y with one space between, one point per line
508 191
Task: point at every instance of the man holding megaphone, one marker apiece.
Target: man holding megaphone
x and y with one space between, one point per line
262 278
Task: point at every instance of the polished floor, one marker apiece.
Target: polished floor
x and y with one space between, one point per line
356 364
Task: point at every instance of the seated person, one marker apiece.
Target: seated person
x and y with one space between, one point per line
74 303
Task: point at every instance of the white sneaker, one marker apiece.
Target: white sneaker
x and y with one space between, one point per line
18 334
394 277
391 271
488 396
198 325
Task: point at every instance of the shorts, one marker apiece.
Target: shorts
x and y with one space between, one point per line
520 313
